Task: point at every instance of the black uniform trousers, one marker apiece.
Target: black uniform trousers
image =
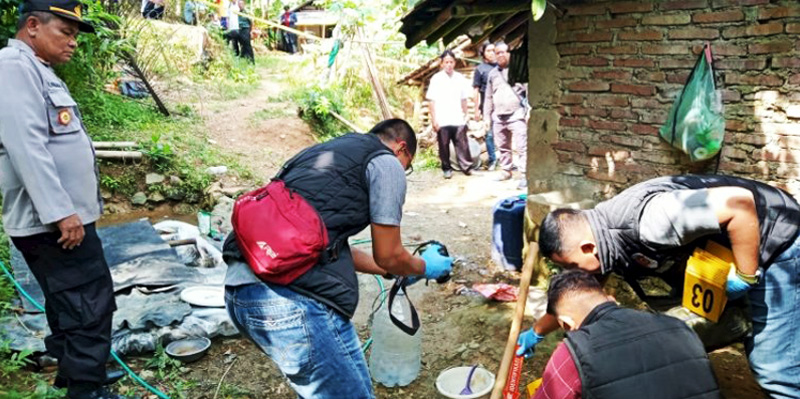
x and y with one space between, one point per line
79 305
245 45
458 135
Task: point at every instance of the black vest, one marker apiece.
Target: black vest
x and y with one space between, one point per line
624 353
332 177
615 223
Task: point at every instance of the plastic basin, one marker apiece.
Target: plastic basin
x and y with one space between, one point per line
188 350
451 381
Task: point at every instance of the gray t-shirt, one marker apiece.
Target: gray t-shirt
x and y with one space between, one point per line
387 194
676 218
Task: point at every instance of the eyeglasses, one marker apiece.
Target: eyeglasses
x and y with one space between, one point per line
410 169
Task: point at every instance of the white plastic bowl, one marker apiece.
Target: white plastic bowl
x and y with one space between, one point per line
451 381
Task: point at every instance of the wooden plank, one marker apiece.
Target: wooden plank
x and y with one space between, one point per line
466 25
499 20
510 26
464 11
429 27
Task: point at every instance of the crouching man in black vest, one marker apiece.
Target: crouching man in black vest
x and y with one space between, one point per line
354 182
613 352
656 225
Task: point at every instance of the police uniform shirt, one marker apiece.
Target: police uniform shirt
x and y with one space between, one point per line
47 163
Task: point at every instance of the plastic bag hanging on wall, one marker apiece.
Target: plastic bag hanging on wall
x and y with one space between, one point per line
696 124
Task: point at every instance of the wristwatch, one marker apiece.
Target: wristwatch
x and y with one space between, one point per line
751 279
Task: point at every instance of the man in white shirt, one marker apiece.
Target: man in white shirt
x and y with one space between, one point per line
447 96
232 35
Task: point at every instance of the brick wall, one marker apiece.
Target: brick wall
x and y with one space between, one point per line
622 63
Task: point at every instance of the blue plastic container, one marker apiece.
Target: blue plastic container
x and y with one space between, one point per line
508 218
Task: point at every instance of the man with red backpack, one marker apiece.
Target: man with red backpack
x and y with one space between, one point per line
352 182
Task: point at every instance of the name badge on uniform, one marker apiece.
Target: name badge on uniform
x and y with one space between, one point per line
64 117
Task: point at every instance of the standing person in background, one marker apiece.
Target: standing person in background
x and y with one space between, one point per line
289 19
232 35
479 83
49 182
504 104
154 9
245 25
447 103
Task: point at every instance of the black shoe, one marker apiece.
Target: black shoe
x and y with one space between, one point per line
100 393
111 378
448 174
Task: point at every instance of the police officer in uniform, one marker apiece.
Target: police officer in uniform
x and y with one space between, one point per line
49 183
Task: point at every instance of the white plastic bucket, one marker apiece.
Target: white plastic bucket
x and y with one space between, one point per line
451 381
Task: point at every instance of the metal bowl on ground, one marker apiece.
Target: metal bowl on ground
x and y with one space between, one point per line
189 349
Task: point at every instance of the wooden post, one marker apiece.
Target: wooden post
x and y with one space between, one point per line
516 322
500 7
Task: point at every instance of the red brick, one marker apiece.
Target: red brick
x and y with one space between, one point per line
626 49
607 125
588 86
731 96
671 63
777 155
683 5
741 64
587 9
788 142
673 19
573 49
573 24
638 168
732 3
792 28
716 17
734 153
573 73
615 23
678 77
753 80
772 28
635 63
630 7
665 49
583 111
693 33
660 157
643 35
623 113
770 47
652 116
624 140
652 76
721 50
613 177
590 61
778 12
750 138
609 101
637 90
571 99
794 79
571 122
786 129
738 167
735 125
569 146
564 157
599 36
646 103
615 153
612 75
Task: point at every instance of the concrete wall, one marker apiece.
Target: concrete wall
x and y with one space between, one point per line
605 74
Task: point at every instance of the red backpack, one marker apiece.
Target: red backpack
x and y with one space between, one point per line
280 234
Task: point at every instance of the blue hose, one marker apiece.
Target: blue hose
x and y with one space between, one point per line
125 367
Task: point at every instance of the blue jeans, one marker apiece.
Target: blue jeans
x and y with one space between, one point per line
774 348
316 348
490 149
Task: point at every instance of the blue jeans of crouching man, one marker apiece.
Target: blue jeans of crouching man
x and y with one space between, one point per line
774 348
316 348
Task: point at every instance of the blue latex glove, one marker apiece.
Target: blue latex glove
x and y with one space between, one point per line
527 341
436 265
736 287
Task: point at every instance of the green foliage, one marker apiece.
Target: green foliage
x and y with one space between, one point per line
426 159
12 362
160 153
169 371
105 114
8 20
316 104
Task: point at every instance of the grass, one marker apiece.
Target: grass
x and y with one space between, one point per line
427 159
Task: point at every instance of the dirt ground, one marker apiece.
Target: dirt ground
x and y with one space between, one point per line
458 329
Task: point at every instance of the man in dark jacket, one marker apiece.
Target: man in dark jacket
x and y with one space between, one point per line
354 182
613 352
654 226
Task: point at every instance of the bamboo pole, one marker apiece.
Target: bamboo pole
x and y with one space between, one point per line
114 144
270 23
347 123
516 322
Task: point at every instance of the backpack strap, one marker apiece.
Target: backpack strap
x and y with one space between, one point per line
400 284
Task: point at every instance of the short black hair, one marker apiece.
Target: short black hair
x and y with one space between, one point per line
484 45
447 53
555 227
286 8
397 130
43 16
570 282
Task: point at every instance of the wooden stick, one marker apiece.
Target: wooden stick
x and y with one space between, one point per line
123 155
516 322
347 123
185 241
114 144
